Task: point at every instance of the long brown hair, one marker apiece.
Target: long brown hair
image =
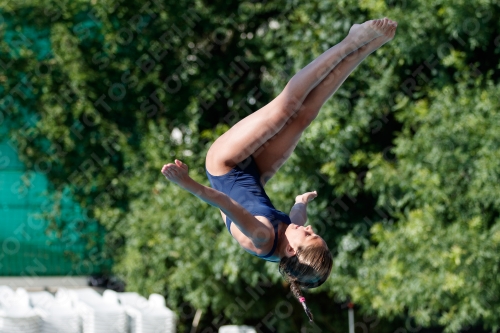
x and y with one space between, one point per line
309 268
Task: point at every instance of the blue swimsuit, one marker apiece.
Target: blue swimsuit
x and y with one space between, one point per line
242 184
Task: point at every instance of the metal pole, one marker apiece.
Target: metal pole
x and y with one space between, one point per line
196 321
351 317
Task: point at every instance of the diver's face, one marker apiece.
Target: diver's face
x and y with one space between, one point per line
299 236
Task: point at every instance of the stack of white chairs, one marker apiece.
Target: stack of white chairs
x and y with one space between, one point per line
16 314
58 314
236 329
98 314
84 311
145 316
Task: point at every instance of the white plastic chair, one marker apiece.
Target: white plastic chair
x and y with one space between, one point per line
16 314
236 329
146 316
6 295
98 315
58 314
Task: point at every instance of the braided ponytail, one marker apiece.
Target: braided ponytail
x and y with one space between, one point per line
294 286
308 268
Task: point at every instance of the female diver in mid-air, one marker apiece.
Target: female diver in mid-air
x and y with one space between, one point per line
242 160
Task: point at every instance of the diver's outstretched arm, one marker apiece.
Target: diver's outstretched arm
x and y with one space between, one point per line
251 227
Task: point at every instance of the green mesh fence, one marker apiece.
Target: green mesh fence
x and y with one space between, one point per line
27 246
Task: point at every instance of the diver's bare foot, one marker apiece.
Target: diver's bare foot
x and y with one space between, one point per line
361 34
387 36
374 44
389 33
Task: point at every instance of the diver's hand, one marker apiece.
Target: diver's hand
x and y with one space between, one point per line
177 173
306 197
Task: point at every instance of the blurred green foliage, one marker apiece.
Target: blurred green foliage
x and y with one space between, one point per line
100 94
